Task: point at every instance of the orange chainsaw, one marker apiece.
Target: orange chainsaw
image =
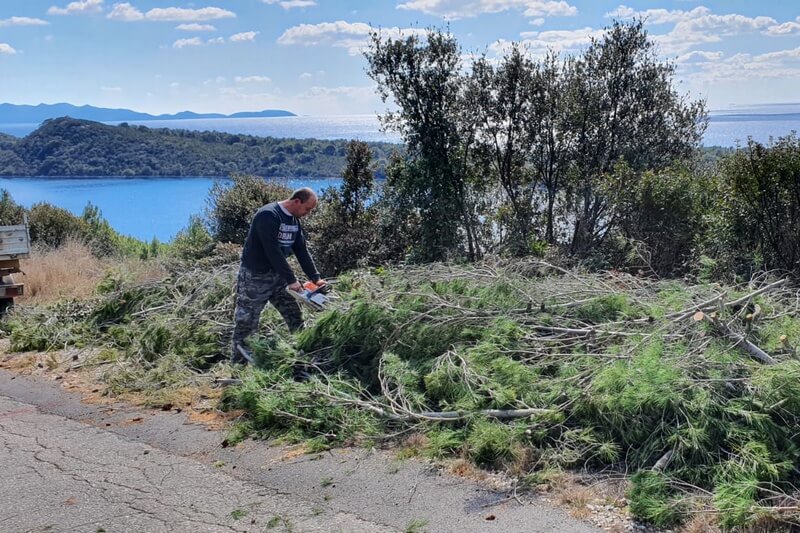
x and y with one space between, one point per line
312 295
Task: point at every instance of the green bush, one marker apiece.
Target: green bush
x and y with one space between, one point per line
338 242
230 207
194 241
759 216
10 211
665 212
105 241
52 226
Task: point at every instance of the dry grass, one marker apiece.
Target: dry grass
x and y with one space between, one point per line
576 499
413 446
71 271
701 523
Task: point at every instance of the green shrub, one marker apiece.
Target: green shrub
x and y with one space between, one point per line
194 241
10 211
664 211
230 207
52 226
759 218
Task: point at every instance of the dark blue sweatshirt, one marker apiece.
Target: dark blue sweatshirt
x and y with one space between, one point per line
273 236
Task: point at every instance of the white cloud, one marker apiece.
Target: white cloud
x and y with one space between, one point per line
622 12
709 28
538 43
352 93
787 28
125 12
251 79
658 16
306 76
218 80
77 8
244 36
7 49
732 24
353 36
195 27
182 43
174 84
773 65
23 21
698 57
290 4
177 14
695 26
217 40
459 9
106 89
537 22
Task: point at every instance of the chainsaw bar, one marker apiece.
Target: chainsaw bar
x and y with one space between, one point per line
311 296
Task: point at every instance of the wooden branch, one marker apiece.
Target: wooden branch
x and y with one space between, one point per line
765 288
710 305
440 416
738 340
664 461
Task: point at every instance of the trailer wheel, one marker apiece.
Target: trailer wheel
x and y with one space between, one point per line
6 304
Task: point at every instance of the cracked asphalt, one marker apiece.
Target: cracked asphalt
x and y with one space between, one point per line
70 466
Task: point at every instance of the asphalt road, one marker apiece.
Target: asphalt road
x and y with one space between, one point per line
70 466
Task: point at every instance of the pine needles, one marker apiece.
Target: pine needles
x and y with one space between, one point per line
607 371
521 366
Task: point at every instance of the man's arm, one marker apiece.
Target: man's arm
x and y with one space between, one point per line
267 226
304 257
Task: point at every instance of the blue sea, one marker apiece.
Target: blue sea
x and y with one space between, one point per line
160 207
141 207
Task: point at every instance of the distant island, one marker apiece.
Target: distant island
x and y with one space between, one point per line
754 117
71 147
27 114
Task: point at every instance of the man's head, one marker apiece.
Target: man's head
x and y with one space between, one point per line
301 202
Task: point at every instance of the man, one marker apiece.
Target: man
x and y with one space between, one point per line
264 274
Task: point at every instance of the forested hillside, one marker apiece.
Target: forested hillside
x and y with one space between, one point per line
70 147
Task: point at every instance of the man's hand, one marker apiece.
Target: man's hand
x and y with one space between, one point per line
296 287
324 288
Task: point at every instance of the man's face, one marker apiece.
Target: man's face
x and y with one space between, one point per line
304 208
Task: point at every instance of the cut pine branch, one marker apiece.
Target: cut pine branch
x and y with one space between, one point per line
739 341
437 416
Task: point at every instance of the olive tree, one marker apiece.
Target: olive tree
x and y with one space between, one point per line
623 106
423 78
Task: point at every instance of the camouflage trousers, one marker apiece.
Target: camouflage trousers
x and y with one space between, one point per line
253 291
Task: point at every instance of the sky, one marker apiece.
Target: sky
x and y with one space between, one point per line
305 55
